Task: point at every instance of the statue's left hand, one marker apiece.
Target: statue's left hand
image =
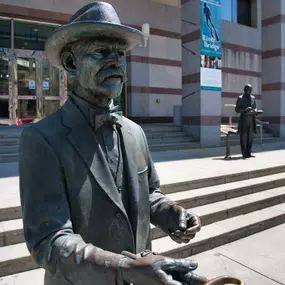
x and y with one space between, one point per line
188 224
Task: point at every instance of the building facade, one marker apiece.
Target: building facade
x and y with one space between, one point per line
164 73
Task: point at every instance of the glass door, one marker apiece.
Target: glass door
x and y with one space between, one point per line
50 87
26 79
4 88
38 86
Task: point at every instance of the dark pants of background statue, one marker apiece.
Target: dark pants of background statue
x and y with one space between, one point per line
247 136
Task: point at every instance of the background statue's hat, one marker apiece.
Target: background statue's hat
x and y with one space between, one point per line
95 20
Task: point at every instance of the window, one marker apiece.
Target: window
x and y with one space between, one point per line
229 10
5 33
30 35
244 12
239 11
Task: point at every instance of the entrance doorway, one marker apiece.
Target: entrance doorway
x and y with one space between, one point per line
37 85
4 88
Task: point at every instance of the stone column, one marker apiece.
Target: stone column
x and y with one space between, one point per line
201 109
273 65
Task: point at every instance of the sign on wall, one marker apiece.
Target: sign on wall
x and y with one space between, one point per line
211 45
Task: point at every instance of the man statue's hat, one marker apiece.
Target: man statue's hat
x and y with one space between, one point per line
94 20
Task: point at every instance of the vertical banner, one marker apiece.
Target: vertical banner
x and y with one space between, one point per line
211 45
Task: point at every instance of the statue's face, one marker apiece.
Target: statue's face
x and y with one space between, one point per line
247 89
99 67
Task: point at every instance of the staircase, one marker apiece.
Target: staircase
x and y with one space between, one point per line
9 144
231 207
163 137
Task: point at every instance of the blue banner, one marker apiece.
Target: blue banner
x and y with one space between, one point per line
210 27
211 45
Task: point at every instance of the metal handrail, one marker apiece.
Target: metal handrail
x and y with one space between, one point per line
261 124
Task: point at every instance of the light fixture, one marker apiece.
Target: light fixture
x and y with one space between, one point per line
36 30
146 33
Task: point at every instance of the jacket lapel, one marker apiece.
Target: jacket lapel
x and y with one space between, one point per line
82 137
131 173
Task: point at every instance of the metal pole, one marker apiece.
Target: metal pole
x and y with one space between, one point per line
12 34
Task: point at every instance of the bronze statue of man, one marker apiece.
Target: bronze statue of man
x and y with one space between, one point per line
246 106
88 186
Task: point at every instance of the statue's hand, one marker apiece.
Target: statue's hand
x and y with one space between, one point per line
188 224
154 269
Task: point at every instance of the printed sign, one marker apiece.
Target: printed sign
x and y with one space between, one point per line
32 84
45 85
211 45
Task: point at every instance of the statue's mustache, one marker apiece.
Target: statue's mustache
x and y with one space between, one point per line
103 74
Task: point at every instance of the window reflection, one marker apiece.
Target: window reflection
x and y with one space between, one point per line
31 36
51 106
26 76
229 10
5 33
27 109
4 108
4 76
50 80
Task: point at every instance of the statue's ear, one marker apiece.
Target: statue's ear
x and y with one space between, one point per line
69 63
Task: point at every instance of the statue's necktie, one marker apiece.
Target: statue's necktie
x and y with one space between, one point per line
112 117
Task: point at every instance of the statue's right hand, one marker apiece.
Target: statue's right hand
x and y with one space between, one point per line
158 270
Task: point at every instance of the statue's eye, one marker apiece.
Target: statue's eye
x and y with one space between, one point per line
101 50
121 53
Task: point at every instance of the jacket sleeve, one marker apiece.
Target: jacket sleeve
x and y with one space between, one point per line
239 108
161 206
254 107
46 217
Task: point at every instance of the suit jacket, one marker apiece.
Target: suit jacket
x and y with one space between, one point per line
241 105
69 198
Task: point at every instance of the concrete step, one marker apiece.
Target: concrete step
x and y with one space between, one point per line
167 140
8 149
215 212
10 207
236 136
9 142
236 141
173 146
230 206
12 229
11 232
207 189
223 232
4 136
207 195
161 128
31 277
7 158
267 139
15 259
220 180
154 135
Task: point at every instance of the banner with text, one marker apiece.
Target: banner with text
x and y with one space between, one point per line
211 45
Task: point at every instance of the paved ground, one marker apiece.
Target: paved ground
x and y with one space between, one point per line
177 166
257 260
184 165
